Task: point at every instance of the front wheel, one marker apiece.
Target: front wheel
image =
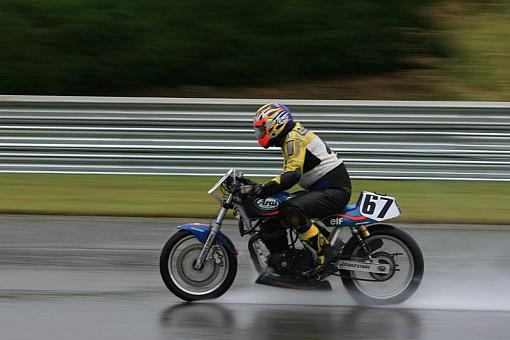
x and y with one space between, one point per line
176 265
390 246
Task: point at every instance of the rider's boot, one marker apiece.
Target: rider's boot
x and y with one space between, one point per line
326 252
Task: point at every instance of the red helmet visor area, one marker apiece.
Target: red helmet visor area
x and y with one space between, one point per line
261 133
264 141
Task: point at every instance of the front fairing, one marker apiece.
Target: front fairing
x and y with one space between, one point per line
257 207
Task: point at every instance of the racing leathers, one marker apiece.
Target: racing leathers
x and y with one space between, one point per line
310 162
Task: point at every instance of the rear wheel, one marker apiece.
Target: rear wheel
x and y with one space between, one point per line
176 265
390 246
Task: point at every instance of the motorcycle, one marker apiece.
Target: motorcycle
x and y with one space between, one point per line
378 264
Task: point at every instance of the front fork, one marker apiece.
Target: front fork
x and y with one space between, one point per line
215 228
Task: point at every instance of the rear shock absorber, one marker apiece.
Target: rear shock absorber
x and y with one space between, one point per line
360 239
364 231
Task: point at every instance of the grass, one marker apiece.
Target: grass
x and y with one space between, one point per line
182 196
479 36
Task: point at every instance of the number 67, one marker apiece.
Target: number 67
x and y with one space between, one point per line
369 205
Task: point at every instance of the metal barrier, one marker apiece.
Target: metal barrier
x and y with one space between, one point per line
157 136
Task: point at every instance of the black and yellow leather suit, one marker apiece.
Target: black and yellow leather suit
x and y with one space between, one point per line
310 162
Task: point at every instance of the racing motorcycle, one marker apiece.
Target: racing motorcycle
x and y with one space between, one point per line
378 264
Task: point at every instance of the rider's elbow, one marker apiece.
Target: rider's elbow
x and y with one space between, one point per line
289 178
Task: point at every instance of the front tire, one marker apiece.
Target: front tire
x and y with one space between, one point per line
176 265
397 248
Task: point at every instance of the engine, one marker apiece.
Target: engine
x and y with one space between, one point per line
284 259
291 262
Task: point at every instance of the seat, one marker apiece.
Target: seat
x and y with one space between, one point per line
348 207
350 215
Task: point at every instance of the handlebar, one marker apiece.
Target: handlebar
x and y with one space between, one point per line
232 179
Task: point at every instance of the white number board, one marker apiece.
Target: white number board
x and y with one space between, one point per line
378 207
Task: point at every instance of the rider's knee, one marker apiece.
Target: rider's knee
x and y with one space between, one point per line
294 216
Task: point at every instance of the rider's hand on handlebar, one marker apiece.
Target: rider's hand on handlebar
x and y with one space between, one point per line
247 181
250 189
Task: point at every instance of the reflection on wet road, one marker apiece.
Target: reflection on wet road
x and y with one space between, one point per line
270 322
98 278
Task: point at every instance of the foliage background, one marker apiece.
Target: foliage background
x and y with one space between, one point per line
110 47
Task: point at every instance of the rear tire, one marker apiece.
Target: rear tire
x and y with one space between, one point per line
413 276
180 277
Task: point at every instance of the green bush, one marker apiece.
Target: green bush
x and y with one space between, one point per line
107 47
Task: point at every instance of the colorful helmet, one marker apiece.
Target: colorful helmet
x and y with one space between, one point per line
270 121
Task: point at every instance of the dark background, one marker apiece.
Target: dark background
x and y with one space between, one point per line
112 47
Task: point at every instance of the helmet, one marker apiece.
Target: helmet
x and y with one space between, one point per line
270 122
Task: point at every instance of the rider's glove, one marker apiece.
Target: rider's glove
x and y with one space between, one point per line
250 189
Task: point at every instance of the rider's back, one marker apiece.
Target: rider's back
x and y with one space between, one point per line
320 165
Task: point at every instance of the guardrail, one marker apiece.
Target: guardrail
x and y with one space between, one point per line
158 136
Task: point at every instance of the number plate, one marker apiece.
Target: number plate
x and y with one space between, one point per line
378 207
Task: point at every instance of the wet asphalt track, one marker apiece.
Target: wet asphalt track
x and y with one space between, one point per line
98 278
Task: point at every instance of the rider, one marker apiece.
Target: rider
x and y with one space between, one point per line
309 161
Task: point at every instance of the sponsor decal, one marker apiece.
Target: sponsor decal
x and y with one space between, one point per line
268 203
282 120
354 265
197 229
336 221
